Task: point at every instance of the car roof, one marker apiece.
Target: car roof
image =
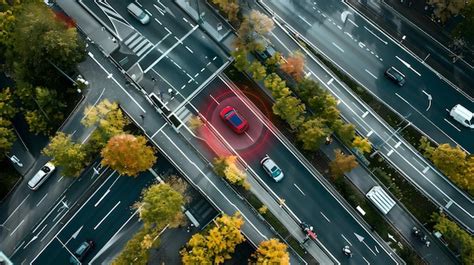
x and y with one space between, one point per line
235 119
83 247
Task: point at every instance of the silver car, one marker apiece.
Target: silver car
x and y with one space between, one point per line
138 13
272 169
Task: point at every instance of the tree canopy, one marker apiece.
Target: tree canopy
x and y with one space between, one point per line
291 110
294 66
342 163
128 154
66 153
271 252
217 244
253 31
227 168
312 133
160 205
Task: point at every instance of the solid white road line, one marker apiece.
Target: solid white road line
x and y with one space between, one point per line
398 144
116 82
191 51
380 39
95 227
371 74
41 200
352 22
49 213
101 198
347 240
325 217
452 125
161 128
18 226
339 48
304 20
365 114
248 135
390 153
299 189
61 178
158 21
16 209
366 260
370 133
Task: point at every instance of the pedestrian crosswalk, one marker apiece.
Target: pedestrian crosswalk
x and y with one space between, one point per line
183 114
138 43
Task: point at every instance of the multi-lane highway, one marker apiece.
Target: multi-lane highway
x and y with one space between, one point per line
390 144
335 225
364 53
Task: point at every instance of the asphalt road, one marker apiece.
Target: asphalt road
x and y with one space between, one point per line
334 224
364 52
390 144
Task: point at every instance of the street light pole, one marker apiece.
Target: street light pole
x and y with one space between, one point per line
390 137
200 20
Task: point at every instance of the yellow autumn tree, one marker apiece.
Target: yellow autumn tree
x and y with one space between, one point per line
217 244
227 168
128 154
270 252
342 163
362 144
294 66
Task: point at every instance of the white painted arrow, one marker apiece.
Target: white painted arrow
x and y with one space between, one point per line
361 239
344 16
74 235
32 239
429 99
391 237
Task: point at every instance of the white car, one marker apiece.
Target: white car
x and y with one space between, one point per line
41 176
272 169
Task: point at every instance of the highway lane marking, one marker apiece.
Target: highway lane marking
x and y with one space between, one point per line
419 163
202 70
348 34
214 99
191 51
426 169
17 248
42 199
347 240
330 81
49 213
370 133
95 227
18 226
183 86
61 178
390 153
366 260
196 75
95 103
352 22
212 183
170 49
355 105
158 21
407 65
304 20
116 82
111 238
248 135
452 125
325 217
365 114
296 186
339 48
371 74
380 39
16 209
398 144
148 12
164 79
101 198
70 219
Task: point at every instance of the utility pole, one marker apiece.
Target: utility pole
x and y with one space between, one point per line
200 20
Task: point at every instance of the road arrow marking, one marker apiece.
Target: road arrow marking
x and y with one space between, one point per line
361 239
429 99
32 239
74 236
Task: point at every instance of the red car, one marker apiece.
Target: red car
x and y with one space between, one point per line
234 119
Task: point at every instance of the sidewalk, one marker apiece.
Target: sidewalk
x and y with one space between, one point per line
424 38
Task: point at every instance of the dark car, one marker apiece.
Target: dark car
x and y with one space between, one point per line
235 121
81 252
395 76
267 53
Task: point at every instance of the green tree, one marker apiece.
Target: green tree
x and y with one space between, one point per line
230 8
227 167
457 238
465 29
37 122
241 58
291 110
7 135
448 159
277 86
345 131
257 70
41 41
108 118
160 205
128 154
294 66
342 163
312 133
7 104
253 31
217 245
362 144
274 61
66 153
271 251
445 9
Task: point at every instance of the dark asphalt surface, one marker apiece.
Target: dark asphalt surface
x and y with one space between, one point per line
365 53
453 201
334 225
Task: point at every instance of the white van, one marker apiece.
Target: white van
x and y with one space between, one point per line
462 115
41 176
138 13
